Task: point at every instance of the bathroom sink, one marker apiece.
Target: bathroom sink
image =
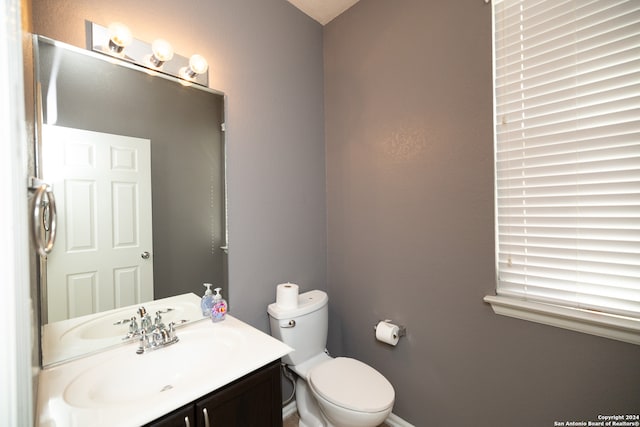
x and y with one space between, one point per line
115 323
130 378
118 387
82 335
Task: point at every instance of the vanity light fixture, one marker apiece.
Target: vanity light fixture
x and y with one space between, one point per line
117 41
119 37
161 52
197 65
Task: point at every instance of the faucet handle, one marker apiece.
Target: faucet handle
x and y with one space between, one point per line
145 322
144 342
142 312
133 325
158 320
171 330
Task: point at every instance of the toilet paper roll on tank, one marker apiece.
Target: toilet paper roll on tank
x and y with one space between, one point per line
287 296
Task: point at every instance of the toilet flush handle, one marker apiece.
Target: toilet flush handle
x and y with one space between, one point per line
290 324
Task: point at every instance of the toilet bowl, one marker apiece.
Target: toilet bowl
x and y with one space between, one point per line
330 392
351 393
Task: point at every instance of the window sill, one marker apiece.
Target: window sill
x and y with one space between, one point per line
590 322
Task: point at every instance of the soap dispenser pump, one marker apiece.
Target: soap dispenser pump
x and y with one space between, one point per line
219 309
206 304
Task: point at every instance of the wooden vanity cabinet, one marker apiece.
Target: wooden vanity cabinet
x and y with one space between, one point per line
183 417
254 400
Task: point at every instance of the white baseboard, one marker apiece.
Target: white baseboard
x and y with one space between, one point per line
289 410
392 421
395 421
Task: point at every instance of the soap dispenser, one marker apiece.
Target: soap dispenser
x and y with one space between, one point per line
219 309
206 304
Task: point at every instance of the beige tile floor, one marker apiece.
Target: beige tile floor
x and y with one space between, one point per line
292 421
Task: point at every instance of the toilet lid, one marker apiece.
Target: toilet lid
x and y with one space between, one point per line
352 384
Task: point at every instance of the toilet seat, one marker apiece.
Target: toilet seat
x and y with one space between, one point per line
352 385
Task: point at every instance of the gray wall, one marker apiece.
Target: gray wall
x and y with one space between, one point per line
408 125
267 58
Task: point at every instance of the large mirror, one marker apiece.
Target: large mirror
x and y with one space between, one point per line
136 161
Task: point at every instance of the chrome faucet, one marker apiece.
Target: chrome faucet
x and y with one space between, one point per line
158 338
152 334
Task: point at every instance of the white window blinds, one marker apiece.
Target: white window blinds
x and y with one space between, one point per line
567 103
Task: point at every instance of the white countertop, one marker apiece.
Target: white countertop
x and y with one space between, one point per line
112 388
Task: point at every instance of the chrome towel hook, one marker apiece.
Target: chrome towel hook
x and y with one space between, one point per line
44 217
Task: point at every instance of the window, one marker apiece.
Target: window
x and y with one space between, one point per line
567 155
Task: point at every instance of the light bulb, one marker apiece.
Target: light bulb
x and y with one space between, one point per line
162 52
119 37
198 64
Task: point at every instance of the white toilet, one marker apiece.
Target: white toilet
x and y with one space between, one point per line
340 392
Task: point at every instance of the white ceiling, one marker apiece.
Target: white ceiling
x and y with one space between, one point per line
323 11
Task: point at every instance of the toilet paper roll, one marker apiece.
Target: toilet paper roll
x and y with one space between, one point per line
287 296
387 333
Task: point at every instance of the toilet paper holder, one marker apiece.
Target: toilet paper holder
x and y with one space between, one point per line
402 331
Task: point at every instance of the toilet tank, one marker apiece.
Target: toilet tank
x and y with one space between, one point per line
303 328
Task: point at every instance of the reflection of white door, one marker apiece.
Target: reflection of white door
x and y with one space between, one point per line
102 184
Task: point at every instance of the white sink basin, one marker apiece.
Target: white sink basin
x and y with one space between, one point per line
75 337
134 378
115 325
118 387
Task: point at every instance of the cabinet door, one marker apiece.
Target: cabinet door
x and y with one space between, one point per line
252 401
183 417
